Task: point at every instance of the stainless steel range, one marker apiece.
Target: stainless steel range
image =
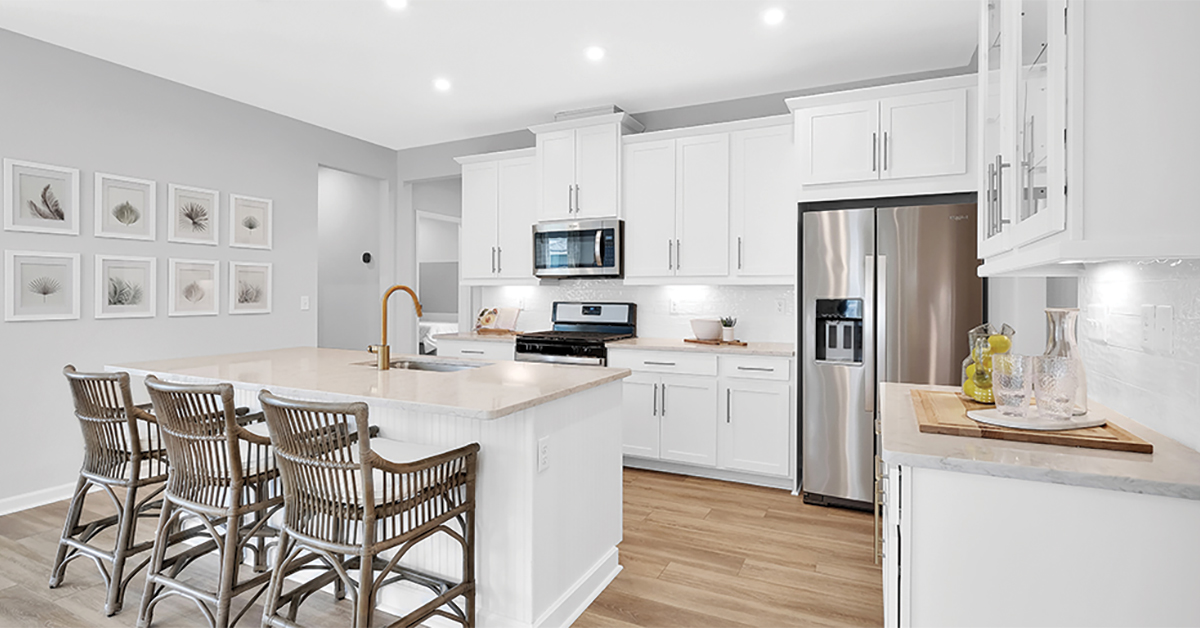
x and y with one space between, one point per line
579 333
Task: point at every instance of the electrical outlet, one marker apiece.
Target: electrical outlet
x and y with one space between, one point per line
674 306
781 306
1097 322
1164 329
543 453
1147 326
303 304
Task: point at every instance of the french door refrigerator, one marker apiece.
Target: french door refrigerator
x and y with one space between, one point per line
889 293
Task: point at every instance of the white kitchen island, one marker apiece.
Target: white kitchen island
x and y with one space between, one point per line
983 532
546 539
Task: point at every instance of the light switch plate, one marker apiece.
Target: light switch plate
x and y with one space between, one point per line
303 304
1164 329
543 453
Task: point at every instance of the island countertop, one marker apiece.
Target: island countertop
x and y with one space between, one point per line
491 391
1173 470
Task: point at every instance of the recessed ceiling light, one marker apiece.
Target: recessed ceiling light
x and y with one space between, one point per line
594 53
773 17
441 84
396 5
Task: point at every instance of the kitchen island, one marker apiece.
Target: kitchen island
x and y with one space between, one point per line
983 532
546 537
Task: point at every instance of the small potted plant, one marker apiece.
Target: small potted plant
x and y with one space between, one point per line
727 325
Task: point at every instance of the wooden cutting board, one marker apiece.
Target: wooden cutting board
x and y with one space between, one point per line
940 412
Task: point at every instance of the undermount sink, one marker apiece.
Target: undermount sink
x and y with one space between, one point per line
429 365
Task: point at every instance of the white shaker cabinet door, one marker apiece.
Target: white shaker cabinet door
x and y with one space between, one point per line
639 415
556 174
649 203
838 143
597 155
517 198
763 202
702 202
755 427
478 239
924 134
688 419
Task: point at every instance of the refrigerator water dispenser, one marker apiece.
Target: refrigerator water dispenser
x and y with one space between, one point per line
839 331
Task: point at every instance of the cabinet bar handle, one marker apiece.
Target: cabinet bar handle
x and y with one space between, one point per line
664 400
648 362
739 252
472 351
499 260
670 255
990 200
874 150
655 413
678 254
728 404
764 369
571 199
493 260
576 198
885 150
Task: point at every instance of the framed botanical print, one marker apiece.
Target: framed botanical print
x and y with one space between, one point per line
41 286
125 287
194 286
249 288
125 207
193 214
40 198
250 222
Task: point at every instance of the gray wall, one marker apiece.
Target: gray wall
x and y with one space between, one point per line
68 109
349 207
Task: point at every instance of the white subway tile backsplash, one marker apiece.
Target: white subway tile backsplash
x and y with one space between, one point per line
663 311
1152 383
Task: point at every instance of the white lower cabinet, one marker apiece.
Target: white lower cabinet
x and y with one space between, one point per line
696 411
476 349
754 431
688 413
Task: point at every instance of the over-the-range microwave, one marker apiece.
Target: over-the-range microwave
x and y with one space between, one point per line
578 248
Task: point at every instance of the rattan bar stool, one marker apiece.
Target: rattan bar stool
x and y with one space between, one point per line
223 475
122 450
347 503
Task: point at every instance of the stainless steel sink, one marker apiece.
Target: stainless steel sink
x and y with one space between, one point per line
429 365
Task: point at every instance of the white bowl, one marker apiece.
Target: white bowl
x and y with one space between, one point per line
706 328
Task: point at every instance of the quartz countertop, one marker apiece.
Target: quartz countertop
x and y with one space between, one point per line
491 391
1173 470
783 349
470 335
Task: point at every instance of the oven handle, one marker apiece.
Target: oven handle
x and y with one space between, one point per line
559 359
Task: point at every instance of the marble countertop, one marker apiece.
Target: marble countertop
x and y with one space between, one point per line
783 349
492 391
470 335
1173 470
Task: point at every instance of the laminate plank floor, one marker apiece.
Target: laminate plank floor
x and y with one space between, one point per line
696 553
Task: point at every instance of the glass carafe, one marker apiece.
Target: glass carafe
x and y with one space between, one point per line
1061 340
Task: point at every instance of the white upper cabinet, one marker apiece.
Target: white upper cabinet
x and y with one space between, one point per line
1091 152
839 143
499 195
676 197
893 140
579 165
762 204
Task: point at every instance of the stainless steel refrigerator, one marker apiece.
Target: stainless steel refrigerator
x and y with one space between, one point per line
889 293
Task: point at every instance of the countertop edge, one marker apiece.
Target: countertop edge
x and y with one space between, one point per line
473 337
692 347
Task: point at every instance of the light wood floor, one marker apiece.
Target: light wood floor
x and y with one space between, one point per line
696 553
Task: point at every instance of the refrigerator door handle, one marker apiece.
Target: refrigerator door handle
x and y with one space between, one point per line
869 332
879 351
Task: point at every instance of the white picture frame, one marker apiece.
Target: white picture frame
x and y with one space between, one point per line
125 287
40 198
250 222
193 214
195 287
125 207
41 286
250 288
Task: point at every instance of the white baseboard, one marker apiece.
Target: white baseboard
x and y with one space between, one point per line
34 499
712 474
567 608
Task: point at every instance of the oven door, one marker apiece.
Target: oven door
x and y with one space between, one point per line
578 248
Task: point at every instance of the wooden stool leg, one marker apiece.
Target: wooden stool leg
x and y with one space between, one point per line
366 591
230 557
161 536
126 520
73 513
271 601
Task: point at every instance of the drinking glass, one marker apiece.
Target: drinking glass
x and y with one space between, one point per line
1054 384
1012 383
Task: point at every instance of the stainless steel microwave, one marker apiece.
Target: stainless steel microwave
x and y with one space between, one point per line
579 248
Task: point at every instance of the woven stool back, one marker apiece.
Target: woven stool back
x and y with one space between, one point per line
114 444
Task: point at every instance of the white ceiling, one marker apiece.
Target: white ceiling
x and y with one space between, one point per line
360 68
